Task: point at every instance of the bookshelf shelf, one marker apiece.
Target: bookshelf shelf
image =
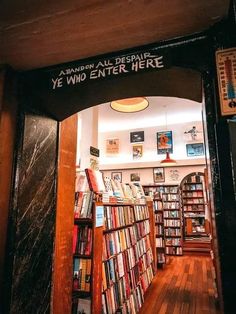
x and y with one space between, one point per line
82 256
83 221
194 204
126 251
118 228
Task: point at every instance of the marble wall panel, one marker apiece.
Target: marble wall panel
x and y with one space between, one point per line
34 217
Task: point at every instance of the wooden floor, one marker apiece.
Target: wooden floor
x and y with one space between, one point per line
185 286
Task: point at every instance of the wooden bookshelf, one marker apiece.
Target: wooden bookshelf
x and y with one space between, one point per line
87 239
194 205
172 220
128 263
159 232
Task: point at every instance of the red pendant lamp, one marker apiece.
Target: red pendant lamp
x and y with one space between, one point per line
168 161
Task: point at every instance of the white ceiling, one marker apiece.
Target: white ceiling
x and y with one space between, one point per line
162 111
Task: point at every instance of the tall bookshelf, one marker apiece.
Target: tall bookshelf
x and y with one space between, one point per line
159 231
155 193
127 266
166 204
172 220
194 206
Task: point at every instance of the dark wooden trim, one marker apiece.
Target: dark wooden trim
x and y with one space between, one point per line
8 119
63 259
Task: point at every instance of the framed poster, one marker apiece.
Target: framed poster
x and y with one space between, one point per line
116 176
196 149
226 73
112 146
134 177
137 151
158 174
164 142
136 137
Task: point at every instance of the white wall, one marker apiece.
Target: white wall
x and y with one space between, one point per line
146 174
150 157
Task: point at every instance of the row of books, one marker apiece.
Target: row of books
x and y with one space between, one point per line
120 240
98 183
199 200
158 205
82 240
174 250
172 232
141 212
192 194
122 298
81 274
133 252
171 205
159 229
193 187
172 223
194 179
169 189
173 241
191 214
196 207
83 204
160 242
159 217
115 268
118 216
170 197
172 214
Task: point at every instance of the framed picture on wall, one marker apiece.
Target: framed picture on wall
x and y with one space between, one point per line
112 146
116 176
164 142
158 174
195 149
137 151
136 137
134 177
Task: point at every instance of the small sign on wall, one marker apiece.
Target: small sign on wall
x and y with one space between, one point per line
226 72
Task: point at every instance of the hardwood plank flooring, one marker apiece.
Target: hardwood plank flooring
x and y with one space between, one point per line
185 286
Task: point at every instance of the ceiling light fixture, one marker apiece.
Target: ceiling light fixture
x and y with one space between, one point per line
129 105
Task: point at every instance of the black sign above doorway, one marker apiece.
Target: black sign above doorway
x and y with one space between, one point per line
71 75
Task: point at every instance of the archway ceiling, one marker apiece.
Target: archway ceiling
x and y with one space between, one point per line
39 33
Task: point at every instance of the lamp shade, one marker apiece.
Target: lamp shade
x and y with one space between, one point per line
129 105
168 161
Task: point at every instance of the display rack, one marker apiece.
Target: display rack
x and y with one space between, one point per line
172 220
128 265
194 206
168 217
159 231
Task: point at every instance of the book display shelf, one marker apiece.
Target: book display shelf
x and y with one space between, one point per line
155 193
172 220
128 264
159 231
82 251
114 256
194 205
168 220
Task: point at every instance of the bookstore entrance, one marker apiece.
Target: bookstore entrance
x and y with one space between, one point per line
141 215
148 170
